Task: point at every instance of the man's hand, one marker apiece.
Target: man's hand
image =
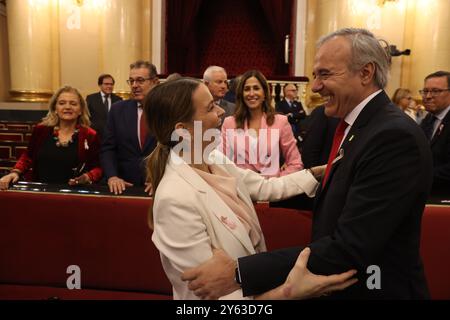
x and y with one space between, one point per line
302 284
214 278
117 185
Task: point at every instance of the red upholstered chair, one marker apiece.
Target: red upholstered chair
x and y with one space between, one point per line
6 136
283 227
435 250
5 152
18 150
18 126
107 237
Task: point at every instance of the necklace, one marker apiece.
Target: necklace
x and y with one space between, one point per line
58 142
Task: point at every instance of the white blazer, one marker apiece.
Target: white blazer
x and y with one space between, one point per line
188 215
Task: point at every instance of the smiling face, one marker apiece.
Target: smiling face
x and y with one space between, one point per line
341 88
218 84
68 107
253 93
142 83
206 110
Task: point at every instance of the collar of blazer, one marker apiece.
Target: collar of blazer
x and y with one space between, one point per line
215 204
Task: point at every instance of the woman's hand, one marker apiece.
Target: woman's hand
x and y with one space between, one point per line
83 179
7 179
148 188
319 171
302 284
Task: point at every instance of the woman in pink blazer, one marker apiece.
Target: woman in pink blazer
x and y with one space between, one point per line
255 137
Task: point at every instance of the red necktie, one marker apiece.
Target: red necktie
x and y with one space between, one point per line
338 136
142 131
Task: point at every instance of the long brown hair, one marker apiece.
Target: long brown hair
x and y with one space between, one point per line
164 106
242 113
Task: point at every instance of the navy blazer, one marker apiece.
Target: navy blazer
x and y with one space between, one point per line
121 154
369 212
99 112
440 148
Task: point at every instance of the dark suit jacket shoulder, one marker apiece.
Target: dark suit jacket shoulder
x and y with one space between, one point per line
440 148
369 213
121 154
319 138
98 111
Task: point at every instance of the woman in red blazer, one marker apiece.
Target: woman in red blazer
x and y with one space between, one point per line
255 137
62 148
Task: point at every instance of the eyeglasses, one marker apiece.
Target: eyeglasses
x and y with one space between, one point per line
433 92
138 80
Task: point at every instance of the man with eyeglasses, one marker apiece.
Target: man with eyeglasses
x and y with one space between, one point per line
126 141
100 103
436 126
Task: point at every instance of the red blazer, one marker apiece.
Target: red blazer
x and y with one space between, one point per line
88 151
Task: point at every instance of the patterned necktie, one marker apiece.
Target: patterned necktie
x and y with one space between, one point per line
338 136
428 126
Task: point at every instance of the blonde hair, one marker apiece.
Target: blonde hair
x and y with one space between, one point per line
52 120
399 94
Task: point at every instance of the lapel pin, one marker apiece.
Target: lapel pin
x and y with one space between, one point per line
351 138
86 146
229 223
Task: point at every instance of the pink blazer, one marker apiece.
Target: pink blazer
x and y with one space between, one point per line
262 154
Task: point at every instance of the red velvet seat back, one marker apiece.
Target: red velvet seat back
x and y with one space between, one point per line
435 250
108 238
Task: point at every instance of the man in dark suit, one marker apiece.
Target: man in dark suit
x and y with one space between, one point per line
436 125
126 142
215 78
292 109
100 103
318 138
368 214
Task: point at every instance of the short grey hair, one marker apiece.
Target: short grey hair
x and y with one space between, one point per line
208 72
152 73
366 48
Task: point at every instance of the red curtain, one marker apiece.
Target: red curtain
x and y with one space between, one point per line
279 16
181 36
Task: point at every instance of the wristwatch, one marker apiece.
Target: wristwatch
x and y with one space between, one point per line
237 276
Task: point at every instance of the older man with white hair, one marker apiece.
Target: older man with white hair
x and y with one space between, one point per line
215 78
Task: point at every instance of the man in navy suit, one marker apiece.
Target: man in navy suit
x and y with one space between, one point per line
368 212
436 125
292 109
100 103
126 142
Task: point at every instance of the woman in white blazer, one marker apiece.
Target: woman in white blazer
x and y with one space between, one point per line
201 199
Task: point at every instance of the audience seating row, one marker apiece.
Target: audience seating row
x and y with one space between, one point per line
12 150
42 234
17 125
14 135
